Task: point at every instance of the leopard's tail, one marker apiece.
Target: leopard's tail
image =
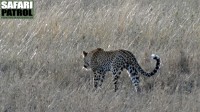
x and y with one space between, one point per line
155 57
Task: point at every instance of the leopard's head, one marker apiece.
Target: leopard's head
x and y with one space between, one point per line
86 59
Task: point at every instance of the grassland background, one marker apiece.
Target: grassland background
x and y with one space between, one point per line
41 63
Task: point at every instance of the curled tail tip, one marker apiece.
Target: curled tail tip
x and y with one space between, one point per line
154 56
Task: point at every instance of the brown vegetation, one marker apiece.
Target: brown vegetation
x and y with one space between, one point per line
41 64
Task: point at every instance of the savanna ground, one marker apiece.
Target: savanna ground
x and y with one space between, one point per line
41 63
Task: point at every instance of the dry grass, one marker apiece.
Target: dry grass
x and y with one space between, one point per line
40 59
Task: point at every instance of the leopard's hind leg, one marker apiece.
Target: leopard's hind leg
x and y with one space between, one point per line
133 74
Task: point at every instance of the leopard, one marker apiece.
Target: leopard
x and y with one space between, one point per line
101 61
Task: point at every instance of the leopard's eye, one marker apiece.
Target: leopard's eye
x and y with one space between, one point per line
85 66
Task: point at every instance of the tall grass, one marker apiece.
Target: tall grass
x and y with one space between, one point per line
41 63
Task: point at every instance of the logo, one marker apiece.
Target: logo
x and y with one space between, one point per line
19 9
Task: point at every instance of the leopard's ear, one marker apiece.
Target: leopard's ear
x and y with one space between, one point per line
84 54
100 49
